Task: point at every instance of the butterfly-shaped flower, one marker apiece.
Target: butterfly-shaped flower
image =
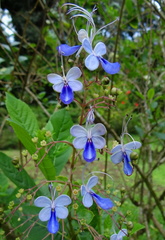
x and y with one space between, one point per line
89 195
53 209
122 153
89 139
66 85
122 233
95 58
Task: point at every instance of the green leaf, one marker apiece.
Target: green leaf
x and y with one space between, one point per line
85 214
137 227
139 94
22 114
159 135
60 124
151 93
20 178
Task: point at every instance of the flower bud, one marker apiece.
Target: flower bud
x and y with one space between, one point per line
108 192
114 91
129 225
83 221
21 190
29 197
75 206
114 209
105 80
35 139
134 155
75 192
95 95
15 161
128 213
43 143
25 153
18 195
48 134
123 190
58 188
35 156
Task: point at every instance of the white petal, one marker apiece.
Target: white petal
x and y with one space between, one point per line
61 212
98 129
73 74
58 87
78 131
132 145
122 233
79 142
87 200
99 142
116 148
62 200
42 201
83 190
82 34
87 45
100 49
44 214
75 85
54 78
91 62
117 157
92 182
113 237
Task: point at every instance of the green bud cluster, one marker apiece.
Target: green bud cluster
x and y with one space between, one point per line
25 153
35 156
115 91
43 143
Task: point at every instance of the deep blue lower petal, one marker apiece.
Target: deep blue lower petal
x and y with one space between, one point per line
67 50
108 67
89 153
104 203
53 224
127 168
67 95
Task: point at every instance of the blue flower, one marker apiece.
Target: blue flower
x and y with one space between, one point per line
94 58
66 85
52 209
122 233
89 195
66 50
122 153
89 139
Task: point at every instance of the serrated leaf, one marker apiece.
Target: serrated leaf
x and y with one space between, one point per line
85 214
20 178
21 113
151 93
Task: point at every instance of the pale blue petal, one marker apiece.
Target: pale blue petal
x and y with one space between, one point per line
108 67
73 74
58 87
53 224
87 200
61 212
116 148
79 142
104 203
100 49
44 214
55 78
117 157
78 131
127 168
92 182
99 142
114 237
87 45
91 62
132 145
82 34
66 95
89 153
98 129
62 200
67 50
75 85
42 201
122 233
83 190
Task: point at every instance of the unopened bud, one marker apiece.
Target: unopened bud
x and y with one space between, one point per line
35 139
15 161
58 188
35 156
48 134
134 155
75 192
43 143
18 195
105 80
75 206
130 225
25 153
21 190
95 95
114 209
123 190
29 197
